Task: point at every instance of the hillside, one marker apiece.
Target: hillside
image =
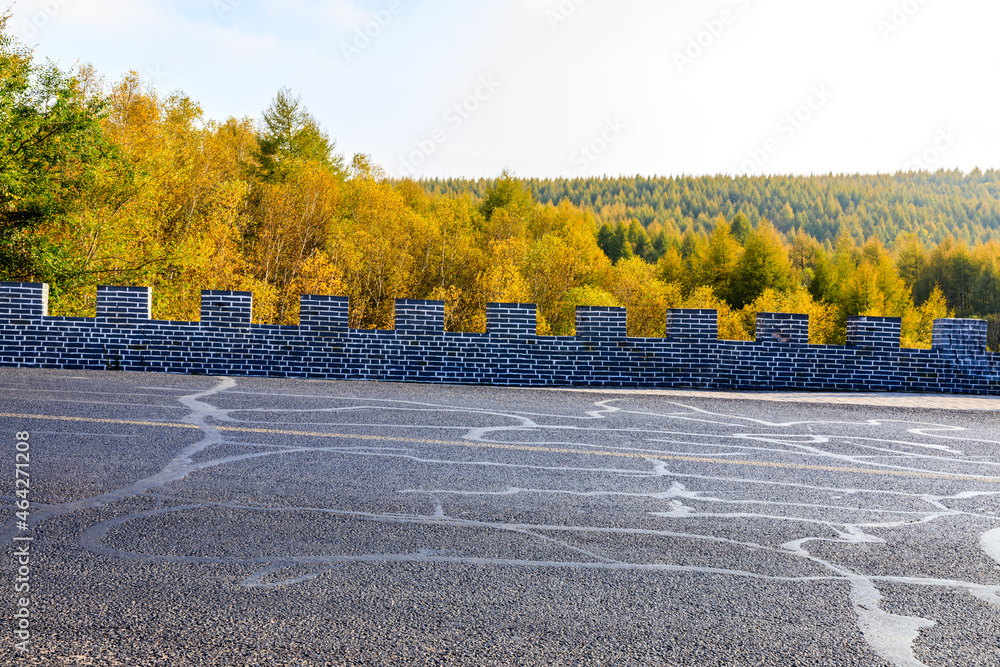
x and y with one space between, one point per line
933 206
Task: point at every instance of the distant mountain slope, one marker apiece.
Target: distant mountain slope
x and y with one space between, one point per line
934 205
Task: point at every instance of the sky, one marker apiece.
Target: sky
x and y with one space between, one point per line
573 88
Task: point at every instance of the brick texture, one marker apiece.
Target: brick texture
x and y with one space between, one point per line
122 336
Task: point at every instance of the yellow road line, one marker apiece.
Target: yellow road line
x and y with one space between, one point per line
531 448
94 420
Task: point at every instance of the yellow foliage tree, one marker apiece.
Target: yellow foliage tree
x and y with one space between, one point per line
918 334
729 321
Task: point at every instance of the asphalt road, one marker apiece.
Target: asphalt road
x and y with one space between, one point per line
180 520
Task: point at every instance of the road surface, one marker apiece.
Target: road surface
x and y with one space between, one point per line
180 520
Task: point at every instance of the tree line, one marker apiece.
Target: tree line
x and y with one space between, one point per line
935 206
115 183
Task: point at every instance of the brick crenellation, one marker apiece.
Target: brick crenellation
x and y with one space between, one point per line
122 336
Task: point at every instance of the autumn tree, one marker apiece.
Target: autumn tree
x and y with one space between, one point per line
373 245
740 228
918 327
289 134
670 267
911 258
762 265
717 260
51 145
507 209
633 284
803 256
614 242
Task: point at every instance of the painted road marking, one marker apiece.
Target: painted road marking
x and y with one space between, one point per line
526 448
883 399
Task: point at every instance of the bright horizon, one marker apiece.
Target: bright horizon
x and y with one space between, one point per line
572 88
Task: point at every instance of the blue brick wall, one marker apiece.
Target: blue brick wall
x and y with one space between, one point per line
226 309
601 322
225 342
323 313
511 319
124 303
23 301
692 323
873 333
951 334
782 328
419 318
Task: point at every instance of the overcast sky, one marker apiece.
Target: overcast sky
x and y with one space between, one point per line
574 87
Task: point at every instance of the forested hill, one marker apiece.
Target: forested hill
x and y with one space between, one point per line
933 205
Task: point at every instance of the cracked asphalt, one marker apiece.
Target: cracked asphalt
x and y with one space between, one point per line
190 520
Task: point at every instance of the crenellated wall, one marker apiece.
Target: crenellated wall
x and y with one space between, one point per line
122 336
